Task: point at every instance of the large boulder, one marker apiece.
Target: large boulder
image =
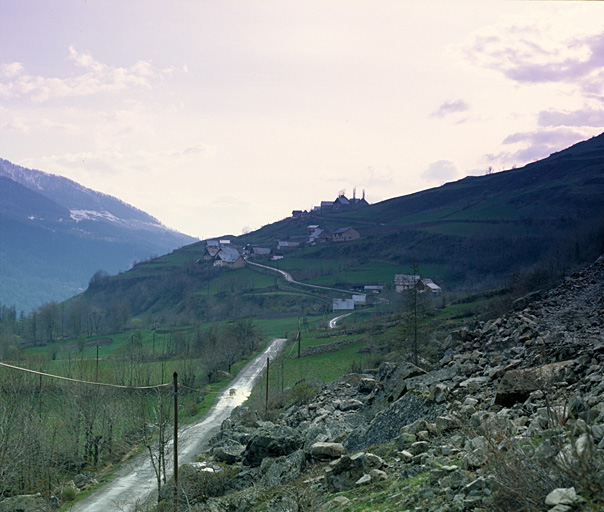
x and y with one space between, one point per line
391 378
242 416
282 470
229 451
386 425
327 451
271 441
348 470
517 385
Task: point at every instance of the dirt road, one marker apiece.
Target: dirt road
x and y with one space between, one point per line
136 482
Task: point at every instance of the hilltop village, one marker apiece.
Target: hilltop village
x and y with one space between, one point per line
224 253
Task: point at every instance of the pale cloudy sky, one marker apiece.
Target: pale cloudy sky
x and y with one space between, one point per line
217 116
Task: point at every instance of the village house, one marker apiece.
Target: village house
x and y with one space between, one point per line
343 304
261 252
318 235
343 203
428 286
360 299
228 257
326 206
299 214
211 250
285 245
340 202
345 235
404 282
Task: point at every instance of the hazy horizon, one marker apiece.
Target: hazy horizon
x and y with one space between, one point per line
219 117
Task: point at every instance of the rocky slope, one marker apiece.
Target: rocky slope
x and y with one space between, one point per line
511 418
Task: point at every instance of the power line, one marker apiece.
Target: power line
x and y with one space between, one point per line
83 381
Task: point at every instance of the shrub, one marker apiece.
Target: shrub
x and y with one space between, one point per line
524 470
302 393
68 494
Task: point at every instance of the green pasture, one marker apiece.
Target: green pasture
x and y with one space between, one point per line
241 279
326 367
291 263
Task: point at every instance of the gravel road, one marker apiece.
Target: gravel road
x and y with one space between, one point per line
136 482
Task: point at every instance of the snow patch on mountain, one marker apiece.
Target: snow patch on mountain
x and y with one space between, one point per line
79 215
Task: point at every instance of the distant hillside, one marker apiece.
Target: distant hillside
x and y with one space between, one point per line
55 234
524 228
477 229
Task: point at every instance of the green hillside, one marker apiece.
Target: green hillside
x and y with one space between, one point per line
477 228
474 234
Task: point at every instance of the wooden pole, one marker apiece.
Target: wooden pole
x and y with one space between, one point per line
40 394
299 338
266 398
175 442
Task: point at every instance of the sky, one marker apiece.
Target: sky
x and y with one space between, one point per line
218 117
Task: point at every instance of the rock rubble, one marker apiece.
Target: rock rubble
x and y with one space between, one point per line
510 418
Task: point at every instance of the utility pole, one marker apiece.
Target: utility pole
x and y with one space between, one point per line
299 338
40 394
266 397
175 442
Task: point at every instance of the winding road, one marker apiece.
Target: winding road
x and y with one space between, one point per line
136 484
288 277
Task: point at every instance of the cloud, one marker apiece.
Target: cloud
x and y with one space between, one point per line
532 146
532 54
97 78
440 171
206 150
11 70
451 107
584 117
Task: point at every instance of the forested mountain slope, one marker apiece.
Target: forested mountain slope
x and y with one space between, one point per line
55 234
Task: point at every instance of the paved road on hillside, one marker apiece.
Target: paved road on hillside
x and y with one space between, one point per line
288 277
136 482
333 322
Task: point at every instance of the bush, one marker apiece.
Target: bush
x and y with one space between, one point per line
212 480
524 470
68 494
302 393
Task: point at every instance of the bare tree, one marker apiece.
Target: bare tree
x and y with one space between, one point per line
415 311
153 422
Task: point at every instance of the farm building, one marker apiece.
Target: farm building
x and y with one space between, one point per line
229 257
428 286
345 234
343 304
261 251
404 282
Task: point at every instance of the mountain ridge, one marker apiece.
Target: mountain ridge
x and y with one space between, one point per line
56 233
71 194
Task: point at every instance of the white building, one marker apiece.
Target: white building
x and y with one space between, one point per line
343 304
